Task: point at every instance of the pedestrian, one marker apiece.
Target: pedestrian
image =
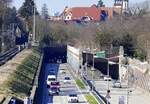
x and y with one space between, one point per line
108 96
121 100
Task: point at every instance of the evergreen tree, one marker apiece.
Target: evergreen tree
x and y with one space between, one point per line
100 3
45 12
27 9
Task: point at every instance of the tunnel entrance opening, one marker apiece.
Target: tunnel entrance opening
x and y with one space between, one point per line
55 54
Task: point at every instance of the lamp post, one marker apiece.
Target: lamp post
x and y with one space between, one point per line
108 91
127 65
108 74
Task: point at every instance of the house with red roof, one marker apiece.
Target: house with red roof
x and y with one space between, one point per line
92 13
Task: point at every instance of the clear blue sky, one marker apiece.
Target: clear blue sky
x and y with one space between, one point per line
59 5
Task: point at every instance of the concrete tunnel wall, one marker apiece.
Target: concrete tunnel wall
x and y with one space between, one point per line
73 58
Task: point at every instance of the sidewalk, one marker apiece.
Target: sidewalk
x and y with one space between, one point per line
9 67
137 96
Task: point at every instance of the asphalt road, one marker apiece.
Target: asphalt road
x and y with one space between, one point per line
46 99
67 89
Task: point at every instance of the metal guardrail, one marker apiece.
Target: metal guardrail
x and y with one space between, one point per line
12 100
7 100
99 97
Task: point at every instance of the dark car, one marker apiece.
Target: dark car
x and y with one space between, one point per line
55 84
53 91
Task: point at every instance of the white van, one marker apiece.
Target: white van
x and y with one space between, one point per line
50 78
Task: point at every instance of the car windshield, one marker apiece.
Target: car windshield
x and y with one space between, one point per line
62 69
51 73
51 79
67 78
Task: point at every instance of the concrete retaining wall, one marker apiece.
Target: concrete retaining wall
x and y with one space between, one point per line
73 58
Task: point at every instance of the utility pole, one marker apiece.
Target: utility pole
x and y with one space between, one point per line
93 72
93 52
33 40
121 54
108 90
148 50
108 75
122 12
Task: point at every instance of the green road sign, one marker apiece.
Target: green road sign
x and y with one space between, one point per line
101 54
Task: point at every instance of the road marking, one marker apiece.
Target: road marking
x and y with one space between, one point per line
78 88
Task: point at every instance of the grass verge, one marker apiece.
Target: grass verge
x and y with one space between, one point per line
20 82
91 99
80 84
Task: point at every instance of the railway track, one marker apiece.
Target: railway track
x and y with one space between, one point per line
4 57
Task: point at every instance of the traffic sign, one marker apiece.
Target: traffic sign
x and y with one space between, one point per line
101 54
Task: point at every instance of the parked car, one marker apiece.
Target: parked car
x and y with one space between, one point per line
50 78
67 80
73 98
116 84
107 78
53 91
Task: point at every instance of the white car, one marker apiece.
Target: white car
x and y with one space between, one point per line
106 78
67 80
73 98
116 84
62 71
59 61
50 78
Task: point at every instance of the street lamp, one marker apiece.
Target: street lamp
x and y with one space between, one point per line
108 72
127 65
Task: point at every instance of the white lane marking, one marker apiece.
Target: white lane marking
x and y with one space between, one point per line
79 89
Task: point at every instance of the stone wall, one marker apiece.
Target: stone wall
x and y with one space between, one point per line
139 74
